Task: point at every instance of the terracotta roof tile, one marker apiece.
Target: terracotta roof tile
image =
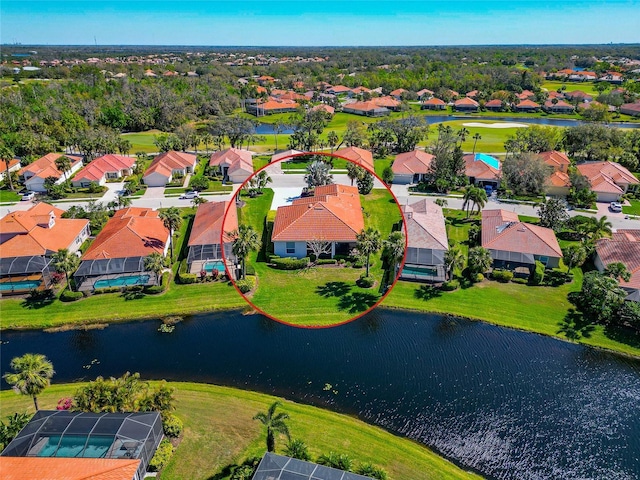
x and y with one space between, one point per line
425 225
166 162
207 225
555 159
475 167
527 104
357 155
46 166
560 179
97 168
409 163
607 176
55 468
434 101
623 247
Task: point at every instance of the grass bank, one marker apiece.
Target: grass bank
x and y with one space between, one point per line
219 431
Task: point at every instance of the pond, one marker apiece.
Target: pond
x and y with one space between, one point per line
510 404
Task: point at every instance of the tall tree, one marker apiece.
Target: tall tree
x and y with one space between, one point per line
246 240
474 197
368 241
574 255
172 220
553 214
6 155
32 373
526 173
318 174
274 423
154 263
278 127
393 249
599 228
479 260
453 258
64 261
63 164
476 137
354 171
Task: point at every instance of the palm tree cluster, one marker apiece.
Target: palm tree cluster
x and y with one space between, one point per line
474 197
368 241
246 240
32 373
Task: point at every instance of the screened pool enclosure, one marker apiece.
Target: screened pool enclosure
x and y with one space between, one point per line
107 272
278 467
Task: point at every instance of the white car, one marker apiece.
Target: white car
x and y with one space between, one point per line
615 206
28 196
190 195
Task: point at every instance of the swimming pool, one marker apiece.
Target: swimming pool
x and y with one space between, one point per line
122 281
19 285
423 271
217 265
488 159
76 446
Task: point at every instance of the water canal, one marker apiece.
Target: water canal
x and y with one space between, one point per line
510 404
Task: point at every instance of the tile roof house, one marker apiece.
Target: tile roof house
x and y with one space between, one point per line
362 157
35 174
411 167
578 95
632 109
623 247
424 94
526 95
466 104
28 239
433 104
387 102
206 233
560 106
168 165
558 160
287 154
368 109
527 106
515 244
14 165
609 180
271 106
495 105
46 468
235 165
397 93
558 184
325 108
427 242
482 169
333 214
119 250
338 90
102 168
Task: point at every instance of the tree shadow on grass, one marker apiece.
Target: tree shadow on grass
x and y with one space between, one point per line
427 292
333 289
574 326
357 302
38 300
623 334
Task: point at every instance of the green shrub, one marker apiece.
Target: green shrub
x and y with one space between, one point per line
341 257
451 285
69 296
478 278
188 278
290 263
246 285
373 471
156 289
358 264
100 291
249 269
327 261
537 275
162 456
365 282
271 258
502 276
171 425
521 281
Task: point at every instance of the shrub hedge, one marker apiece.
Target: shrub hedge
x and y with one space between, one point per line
162 456
327 261
451 285
502 276
365 282
69 296
290 263
247 284
156 289
100 291
172 425
537 276
187 278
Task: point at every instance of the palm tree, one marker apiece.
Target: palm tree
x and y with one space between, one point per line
453 258
278 127
6 154
63 164
196 201
479 260
274 423
462 134
318 174
246 241
154 263
368 242
354 171
64 262
32 374
172 220
599 228
476 137
617 271
123 201
297 449
262 180
474 196
393 249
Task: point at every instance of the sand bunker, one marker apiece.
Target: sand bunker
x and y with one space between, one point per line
495 125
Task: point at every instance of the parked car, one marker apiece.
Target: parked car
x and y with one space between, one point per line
190 195
615 206
28 196
488 189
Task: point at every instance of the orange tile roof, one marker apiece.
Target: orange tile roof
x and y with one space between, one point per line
525 94
166 162
559 179
327 108
555 159
475 167
333 213
408 163
131 232
494 103
234 159
388 102
278 104
12 163
527 104
362 157
463 102
207 225
96 169
397 92
434 101
339 89
33 236
502 230
559 104
46 166
623 247
426 227
55 468
367 106
607 176
423 91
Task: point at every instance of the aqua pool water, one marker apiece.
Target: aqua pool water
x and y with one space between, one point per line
122 281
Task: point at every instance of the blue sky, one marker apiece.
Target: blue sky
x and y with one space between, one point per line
313 23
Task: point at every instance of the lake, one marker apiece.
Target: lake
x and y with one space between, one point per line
509 404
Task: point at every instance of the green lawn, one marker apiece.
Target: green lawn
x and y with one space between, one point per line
142 141
586 87
7 196
219 431
633 209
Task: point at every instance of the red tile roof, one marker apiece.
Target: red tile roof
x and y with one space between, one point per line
131 232
327 108
278 104
623 247
33 236
409 163
56 468
466 102
525 95
476 168
46 166
424 91
166 162
397 92
368 106
339 89
560 179
502 230
607 177
434 101
527 104
12 163
579 94
425 225
333 213
388 102
234 159
556 159
494 103
207 224
97 168
362 157
559 104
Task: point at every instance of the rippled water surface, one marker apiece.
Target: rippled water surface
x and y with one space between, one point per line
512 405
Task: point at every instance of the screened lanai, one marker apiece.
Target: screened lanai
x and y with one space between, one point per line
60 433
109 272
23 274
278 467
200 255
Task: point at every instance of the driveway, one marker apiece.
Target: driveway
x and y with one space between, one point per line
113 190
284 196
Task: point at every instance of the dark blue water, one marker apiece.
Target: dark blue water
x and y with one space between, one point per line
510 404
